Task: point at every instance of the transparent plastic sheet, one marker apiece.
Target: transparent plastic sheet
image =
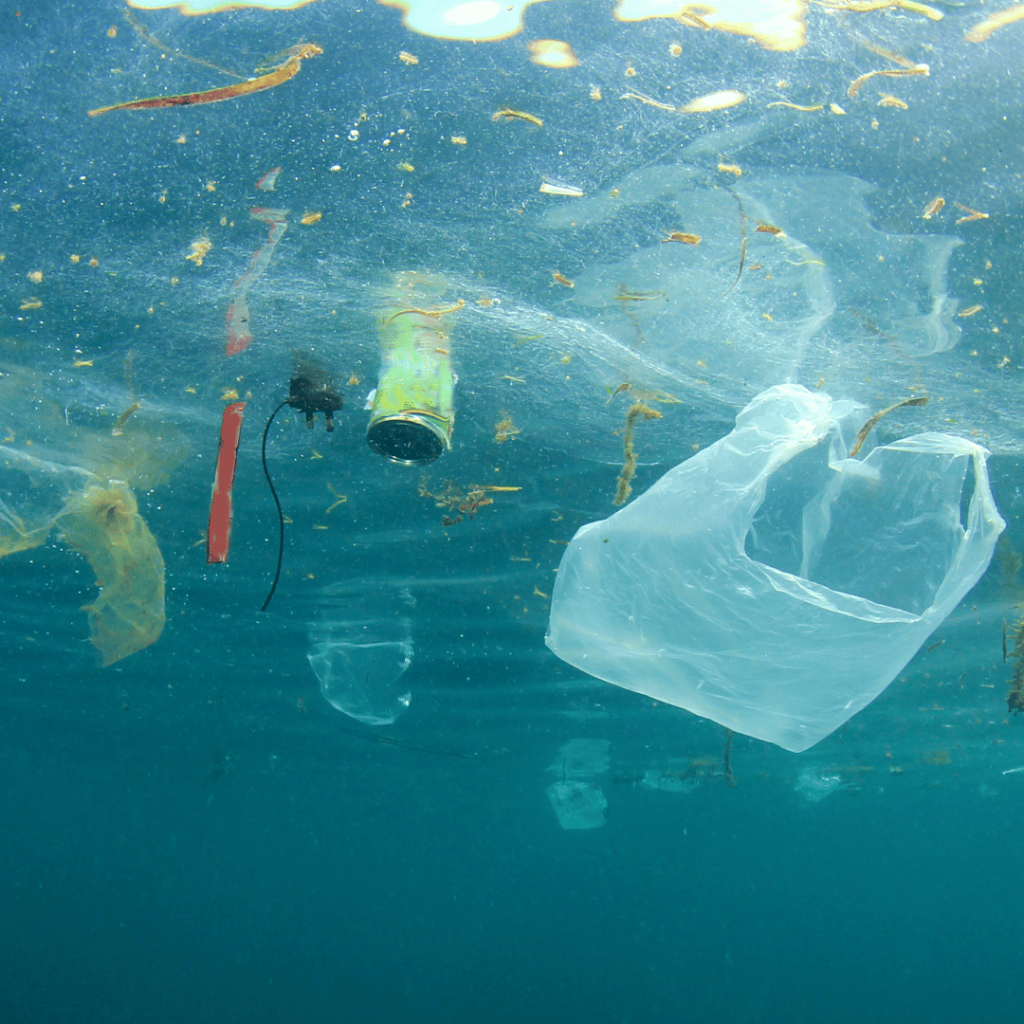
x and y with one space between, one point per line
715 593
360 658
33 495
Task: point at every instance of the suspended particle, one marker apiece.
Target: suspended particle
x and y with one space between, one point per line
562 279
933 208
310 218
408 58
198 250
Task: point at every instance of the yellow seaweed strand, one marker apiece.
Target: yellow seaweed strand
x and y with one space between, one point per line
866 429
625 484
919 69
980 32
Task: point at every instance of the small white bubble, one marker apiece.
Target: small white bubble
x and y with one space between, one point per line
353 135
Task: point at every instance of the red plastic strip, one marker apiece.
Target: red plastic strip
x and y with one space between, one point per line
218 533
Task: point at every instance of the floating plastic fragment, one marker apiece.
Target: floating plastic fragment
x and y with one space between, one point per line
239 335
359 654
218 532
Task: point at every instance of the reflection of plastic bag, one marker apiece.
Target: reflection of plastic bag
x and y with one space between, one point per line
103 523
577 799
578 804
359 662
784 626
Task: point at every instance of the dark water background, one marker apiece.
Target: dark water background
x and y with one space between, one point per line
194 834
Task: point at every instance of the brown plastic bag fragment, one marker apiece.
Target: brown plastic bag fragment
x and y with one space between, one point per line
128 614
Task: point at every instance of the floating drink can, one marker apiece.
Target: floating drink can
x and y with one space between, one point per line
412 415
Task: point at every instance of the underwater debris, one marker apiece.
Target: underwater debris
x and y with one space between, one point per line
815 785
268 182
625 484
562 279
464 502
682 236
128 613
237 317
933 208
866 429
281 73
505 429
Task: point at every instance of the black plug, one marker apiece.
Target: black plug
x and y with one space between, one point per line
312 396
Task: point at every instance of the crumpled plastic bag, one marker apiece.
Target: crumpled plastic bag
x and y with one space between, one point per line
101 520
772 584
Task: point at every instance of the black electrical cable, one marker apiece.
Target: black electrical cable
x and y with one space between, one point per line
277 501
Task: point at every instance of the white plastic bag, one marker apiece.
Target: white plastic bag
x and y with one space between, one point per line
782 617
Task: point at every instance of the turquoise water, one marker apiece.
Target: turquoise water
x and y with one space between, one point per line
194 832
